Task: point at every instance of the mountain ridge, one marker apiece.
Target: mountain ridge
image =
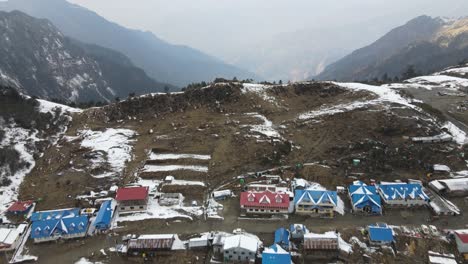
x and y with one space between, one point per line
40 61
401 45
175 64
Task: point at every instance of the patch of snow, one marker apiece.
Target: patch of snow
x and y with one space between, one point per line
49 107
385 95
87 261
183 182
19 138
157 168
461 71
344 246
154 156
115 142
267 128
156 211
259 89
340 207
459 135
336 109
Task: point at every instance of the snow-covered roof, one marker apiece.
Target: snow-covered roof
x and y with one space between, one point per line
317 197
327 235
8 235
458 184
157 236
439 258
241 241
440 167
402 191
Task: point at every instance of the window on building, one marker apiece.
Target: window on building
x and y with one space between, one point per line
131 207
122 208
141 207
242 252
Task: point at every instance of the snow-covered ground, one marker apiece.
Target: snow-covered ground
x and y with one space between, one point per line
459 135
87 261
49 107
19 138
266 129
156 211
158 168
461 70
115 142
172 156
385 95
436 82
259 89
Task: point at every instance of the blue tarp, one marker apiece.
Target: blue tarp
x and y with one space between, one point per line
276 255
380 233
104 216
282 237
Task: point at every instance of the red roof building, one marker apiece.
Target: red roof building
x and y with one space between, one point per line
461 237
132 198
20 207
266 202
131 193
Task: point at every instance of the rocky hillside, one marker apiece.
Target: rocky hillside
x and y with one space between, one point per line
242 128
40 61
27 128
429 44
175 64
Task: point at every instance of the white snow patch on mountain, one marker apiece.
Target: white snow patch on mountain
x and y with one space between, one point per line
170 156
437 81
116 143
19 138
157 168
259 89
49 107
267 128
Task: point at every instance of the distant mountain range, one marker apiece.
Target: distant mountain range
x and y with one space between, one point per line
39 60
175 64
429 44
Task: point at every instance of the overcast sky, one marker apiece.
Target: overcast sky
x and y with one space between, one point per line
224 27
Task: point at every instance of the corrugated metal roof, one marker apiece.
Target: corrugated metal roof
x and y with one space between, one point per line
380 233
163 242
58 227
131 193
104 215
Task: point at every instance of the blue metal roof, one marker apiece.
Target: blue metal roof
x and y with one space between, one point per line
380 233
275 255
402 191
315 196
59 227
282 236
55 214
363 195
104 215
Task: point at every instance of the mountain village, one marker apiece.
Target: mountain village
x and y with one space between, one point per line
266 132
278 215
